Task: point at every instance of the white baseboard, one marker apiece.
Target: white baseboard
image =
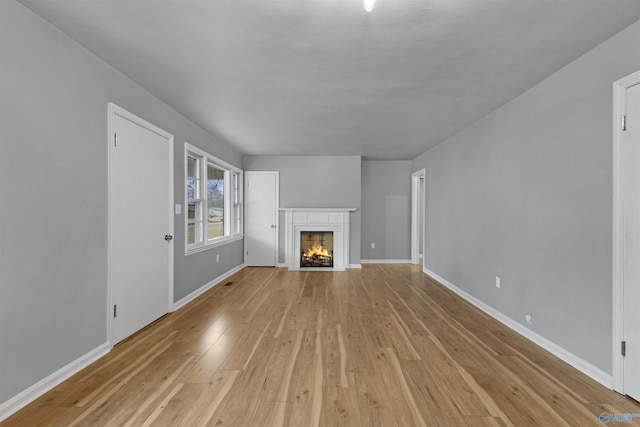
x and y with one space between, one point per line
204 288
385 261
583 366
19 401
355 265
281 265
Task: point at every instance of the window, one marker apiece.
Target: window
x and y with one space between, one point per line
213 199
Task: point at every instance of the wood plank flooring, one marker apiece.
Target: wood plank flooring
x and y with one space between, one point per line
382 346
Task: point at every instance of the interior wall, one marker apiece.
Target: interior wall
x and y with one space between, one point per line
53 187
316 182
526 194
386 210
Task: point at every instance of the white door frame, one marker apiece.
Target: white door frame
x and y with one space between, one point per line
277 213
619 109
113 111
415 213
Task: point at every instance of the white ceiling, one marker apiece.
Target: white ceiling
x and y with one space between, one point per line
324 77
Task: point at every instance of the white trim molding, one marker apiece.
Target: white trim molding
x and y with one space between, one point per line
204 288
21 400
585 367
619 109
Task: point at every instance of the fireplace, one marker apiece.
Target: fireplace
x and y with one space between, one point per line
316 249
328 227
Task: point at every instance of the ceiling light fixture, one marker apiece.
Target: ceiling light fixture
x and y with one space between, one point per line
368 5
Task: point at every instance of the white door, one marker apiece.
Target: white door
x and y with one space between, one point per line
631 333
141 223
261 233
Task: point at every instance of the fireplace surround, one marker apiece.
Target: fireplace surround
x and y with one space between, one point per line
317 220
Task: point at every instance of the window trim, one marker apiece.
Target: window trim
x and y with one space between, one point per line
233 201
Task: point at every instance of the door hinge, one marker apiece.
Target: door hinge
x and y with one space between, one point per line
247 252
623 348
115 311
115 139
623 123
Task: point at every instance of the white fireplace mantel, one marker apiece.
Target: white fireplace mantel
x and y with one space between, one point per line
336 220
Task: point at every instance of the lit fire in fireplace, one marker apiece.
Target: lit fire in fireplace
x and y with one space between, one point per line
316 250
316 256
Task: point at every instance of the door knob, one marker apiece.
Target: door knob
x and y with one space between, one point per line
168 237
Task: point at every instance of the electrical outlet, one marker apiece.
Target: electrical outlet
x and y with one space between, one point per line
217 258
529 318
497 282
373 246
178 208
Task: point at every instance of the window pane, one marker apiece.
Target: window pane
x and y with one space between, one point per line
192 178
191 188
191 213
192 167
194 233
191 220
215 202
236 196
215 229
237 218
191 233
194 223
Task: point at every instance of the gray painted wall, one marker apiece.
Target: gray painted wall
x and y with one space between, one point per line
386 210
53 187
526 194
316 182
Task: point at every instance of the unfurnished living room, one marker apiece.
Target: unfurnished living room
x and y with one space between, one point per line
319 212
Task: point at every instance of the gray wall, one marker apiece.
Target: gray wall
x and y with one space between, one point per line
316 182
386 210
526 194
53 187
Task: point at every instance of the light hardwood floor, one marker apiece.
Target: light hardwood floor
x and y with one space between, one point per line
381 346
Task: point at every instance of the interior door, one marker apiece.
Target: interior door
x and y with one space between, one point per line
631 141
141 223
261 233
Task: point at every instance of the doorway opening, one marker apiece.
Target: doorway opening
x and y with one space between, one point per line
418 205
